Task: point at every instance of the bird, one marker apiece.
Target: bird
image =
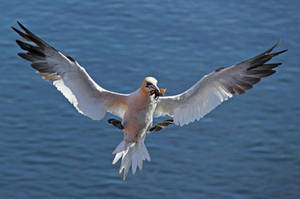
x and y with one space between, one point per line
137 109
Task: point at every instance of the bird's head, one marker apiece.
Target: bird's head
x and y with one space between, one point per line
149 86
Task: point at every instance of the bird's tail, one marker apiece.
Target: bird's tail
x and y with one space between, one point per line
133 154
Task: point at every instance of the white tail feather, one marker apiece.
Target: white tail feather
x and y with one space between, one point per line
133 154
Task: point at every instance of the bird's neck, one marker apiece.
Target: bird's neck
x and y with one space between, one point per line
142 98
143 95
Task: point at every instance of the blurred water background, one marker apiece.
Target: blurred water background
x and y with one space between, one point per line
246 148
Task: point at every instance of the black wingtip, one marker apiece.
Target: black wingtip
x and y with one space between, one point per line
16 30
13 28
23 45
25 29
23 35
18 24
277 43
277 53
21 25
272 48
29 36
19 42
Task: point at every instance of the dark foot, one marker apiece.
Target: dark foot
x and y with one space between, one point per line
159 126
116 123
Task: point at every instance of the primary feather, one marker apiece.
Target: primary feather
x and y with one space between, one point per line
70 78
138 108
216 87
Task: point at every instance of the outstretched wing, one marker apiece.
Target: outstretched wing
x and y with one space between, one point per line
70 78
215 88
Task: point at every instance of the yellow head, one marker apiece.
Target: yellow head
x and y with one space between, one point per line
150 87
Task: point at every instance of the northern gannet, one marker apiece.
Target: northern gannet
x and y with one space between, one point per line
138 108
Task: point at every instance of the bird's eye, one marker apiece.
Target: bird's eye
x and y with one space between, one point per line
148 84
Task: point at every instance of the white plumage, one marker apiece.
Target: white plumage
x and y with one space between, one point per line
138 108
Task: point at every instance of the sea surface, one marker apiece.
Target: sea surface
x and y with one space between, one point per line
247 148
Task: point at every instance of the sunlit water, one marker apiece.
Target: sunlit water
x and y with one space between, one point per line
247 148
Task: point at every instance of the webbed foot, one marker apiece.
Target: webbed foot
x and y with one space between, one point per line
159 126
116 123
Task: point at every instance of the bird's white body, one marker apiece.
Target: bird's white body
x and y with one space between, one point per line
137 120
139 115
137 109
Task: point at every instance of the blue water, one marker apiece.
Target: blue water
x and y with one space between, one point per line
247 148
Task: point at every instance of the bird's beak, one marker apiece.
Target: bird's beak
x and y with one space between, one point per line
158 92
154 88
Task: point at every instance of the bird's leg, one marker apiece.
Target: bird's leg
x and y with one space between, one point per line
116 123
159 126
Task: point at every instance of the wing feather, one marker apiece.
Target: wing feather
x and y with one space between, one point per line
70 78
216 87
